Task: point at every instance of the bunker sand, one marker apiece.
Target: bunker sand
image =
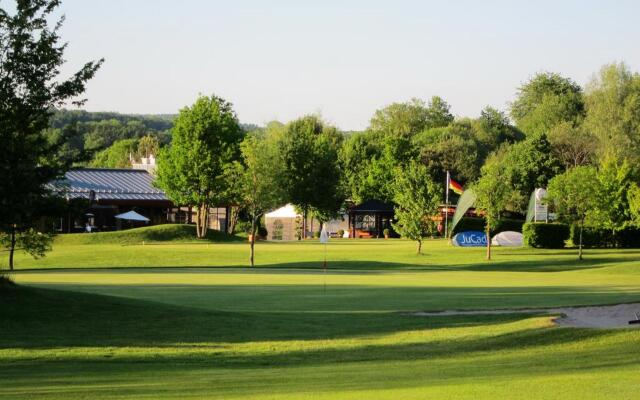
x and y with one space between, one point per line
612 316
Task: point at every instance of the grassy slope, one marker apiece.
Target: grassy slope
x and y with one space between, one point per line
276 333
178 233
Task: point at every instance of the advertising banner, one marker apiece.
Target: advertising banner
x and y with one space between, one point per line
470 239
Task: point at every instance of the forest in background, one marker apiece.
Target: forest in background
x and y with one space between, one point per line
107 139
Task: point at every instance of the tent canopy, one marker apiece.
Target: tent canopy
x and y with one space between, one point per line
508 239
288 211
132 216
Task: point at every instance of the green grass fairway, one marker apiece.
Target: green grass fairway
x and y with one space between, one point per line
82 326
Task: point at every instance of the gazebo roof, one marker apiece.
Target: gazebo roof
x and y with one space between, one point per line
372 206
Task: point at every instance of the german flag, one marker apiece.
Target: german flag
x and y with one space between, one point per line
456 187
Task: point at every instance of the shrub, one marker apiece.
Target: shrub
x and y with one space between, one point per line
591 236
597 237
316 234
386 232
262 232
628 237
340 233
545 235
243 226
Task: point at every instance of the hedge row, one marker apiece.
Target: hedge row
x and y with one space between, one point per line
545 235
554 235
596 237
477 224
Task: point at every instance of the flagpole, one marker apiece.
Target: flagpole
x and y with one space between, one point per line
325 267
446 206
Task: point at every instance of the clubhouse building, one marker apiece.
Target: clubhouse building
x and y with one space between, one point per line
98 195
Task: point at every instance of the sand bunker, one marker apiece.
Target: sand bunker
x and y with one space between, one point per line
614 316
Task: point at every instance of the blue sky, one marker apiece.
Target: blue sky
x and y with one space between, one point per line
342 59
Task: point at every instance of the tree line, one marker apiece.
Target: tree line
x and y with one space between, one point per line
555 133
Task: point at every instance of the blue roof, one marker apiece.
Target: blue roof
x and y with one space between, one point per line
109 184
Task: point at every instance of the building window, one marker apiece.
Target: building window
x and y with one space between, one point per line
366 222
278 227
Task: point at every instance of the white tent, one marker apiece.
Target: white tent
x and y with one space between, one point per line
133 216
288 211
507 239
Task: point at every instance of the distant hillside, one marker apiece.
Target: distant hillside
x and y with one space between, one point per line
156 122
106 139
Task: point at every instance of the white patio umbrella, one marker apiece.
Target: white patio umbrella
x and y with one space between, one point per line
132 216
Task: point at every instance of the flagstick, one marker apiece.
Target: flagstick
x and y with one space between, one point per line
446 207
325 268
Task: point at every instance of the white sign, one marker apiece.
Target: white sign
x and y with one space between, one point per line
541 211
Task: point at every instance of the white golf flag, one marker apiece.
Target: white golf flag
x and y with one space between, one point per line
324 236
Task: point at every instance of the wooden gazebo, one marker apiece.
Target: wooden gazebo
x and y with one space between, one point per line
370 219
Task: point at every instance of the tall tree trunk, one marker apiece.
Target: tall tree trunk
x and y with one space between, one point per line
580 244
201 221
304 223
252 241
419 246
12 247
205 219
233 219
488 234
197 222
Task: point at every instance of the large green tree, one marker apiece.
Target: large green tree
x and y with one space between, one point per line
31 86
573 145
259 181
492 129
611 209
633 196
417 198
574 194
524 166
400 119
118 155
546 100
206 142
308 152
357 150
397 124
492 197
613 112
452 148
148 145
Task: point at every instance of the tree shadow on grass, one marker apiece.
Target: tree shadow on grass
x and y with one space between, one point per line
38 317
369 266
551 265
43 319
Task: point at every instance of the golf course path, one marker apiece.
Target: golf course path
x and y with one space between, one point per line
613 316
